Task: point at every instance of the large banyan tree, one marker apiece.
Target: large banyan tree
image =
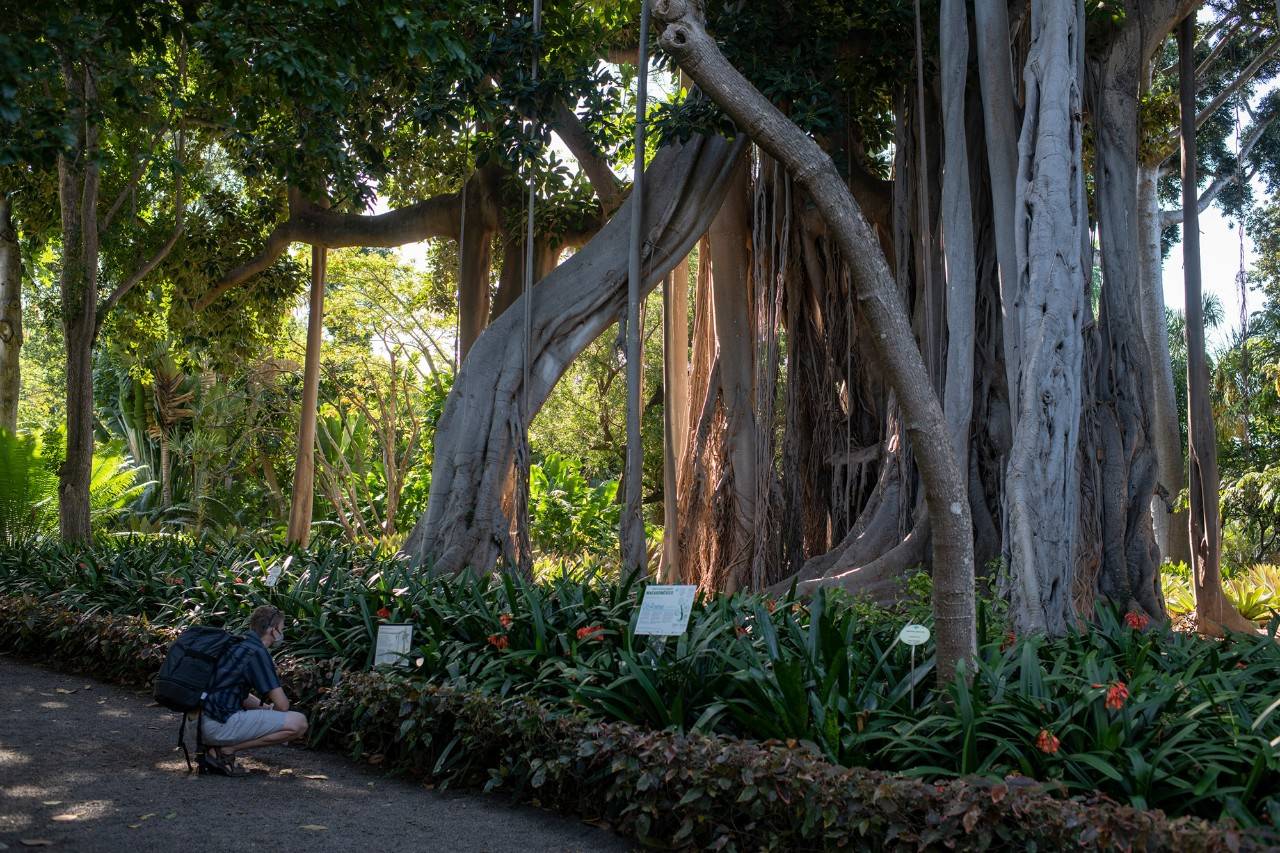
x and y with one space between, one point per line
926 266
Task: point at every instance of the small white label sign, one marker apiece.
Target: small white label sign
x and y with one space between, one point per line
665 610
914 635
276 570
393 644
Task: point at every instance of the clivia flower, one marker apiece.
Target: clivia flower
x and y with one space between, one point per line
1116 694
1137 620
1010 639
741 631
506 620
1047 742
499 641
239 580
384 612
591 632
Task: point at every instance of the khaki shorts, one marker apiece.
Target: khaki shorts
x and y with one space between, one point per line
242 726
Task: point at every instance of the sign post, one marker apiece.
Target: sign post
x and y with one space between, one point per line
394 641
913 635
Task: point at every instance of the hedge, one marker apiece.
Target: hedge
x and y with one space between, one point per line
662 788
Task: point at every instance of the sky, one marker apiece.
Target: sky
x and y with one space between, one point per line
1219 265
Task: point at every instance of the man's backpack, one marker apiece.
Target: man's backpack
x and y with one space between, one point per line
187 673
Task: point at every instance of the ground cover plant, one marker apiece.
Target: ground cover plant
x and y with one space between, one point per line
1150 718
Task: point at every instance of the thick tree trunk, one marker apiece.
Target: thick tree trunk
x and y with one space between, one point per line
675 413
684 37
304 473
464 525
1128 575
1170 524
1214 612
1041 482
78 176
10 317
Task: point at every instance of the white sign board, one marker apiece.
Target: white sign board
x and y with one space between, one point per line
665 610
276 570
393 644
914 635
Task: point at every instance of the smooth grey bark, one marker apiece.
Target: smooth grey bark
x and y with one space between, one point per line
957 230
464 525
631 524
684 37
10 317
304 471
1000 120
1214 612
1041 481
1170 525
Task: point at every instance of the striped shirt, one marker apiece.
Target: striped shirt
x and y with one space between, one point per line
245 666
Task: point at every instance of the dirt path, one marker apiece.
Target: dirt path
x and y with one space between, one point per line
90 767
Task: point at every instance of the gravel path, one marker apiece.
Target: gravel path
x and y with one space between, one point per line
88 767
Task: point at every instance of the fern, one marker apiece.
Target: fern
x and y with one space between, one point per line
28 488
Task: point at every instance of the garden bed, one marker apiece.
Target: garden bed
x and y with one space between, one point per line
666 788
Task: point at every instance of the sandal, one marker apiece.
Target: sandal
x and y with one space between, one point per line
216 764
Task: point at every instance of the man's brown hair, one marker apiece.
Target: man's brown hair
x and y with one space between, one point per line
263 618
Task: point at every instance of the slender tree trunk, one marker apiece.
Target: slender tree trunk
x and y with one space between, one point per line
634 546
675 412
1042 482
304 470
166 473
730 238
1171 526
78 176
1213 612
1000 120
10 317
684 37
957 229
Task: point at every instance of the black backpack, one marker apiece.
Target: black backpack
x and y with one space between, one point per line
187 673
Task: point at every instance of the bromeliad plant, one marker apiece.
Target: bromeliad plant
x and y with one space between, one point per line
1169 721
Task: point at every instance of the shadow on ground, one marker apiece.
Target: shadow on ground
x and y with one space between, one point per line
89 767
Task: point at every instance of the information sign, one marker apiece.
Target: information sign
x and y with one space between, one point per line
394 642
665 610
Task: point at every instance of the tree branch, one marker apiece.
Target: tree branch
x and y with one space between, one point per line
310 223
1221 182
571 131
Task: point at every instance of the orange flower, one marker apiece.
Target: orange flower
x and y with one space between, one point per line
741 631
1136 620
591 632
1010 639
499 641
1116 694
506 620
1047 742
384 613
239 580
770 605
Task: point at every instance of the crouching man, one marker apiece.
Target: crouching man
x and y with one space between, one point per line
234 718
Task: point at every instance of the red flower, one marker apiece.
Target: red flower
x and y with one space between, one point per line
1047 742
499 641
239 580
1009 640
591 632
1116 694
384 613
741 631
506 620
770 605
1136 620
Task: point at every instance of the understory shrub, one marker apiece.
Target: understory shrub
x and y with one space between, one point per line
665 788
1151 718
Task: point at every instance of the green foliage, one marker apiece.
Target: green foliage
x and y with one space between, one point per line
681 791
568 517
29 488
827 673
1255 592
